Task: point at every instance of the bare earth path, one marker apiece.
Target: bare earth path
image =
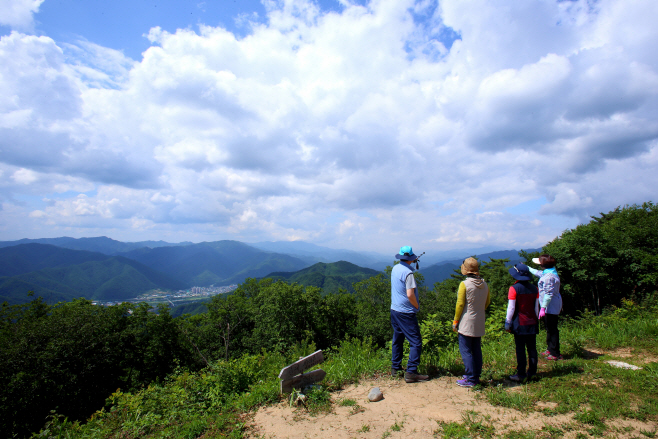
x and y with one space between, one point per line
415 408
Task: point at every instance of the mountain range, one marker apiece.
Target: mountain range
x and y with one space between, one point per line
60 269
59 274
443 270
100 244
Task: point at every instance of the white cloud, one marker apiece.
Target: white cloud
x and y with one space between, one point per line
359 127
18 14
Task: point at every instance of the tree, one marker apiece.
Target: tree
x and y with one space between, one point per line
614 256
230 315
373 297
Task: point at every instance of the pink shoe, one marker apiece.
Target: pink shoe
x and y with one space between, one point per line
553 357
546 353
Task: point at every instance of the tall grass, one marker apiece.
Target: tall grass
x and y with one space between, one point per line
353 359
629 325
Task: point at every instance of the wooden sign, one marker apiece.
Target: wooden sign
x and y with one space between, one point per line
290 378
300 366
303 380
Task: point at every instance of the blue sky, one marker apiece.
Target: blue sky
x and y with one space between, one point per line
122 24
354 124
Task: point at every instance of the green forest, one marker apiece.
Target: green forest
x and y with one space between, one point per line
73 369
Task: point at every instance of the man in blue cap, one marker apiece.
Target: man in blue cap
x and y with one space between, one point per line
404 307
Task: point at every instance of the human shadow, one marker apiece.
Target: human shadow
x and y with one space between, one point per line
588 355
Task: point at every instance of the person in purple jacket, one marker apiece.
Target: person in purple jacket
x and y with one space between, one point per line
550 302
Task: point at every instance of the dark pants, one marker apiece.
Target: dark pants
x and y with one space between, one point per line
552 334
405 325
471 350
523 342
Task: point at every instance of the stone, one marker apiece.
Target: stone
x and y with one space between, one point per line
623 365
375 395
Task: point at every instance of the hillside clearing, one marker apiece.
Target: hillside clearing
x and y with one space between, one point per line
440 408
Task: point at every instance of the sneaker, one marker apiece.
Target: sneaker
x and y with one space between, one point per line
465 383
546 353
553 357
412 377
518 378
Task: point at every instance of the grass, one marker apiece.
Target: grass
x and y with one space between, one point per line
346 402
473 425
584 385
353 360
214 402
318 400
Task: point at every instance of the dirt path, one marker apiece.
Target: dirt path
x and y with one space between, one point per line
415 408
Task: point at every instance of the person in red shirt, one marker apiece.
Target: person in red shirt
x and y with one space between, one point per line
522 321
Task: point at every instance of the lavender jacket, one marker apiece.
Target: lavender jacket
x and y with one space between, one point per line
549 290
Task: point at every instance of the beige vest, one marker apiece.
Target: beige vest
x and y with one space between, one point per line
471 323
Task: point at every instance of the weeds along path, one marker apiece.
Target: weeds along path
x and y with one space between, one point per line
421 410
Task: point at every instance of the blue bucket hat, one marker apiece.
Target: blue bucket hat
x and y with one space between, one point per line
520 272
406 254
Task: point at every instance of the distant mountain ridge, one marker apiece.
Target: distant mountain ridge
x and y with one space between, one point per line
441 271
315 253
100 244
331 277
215 263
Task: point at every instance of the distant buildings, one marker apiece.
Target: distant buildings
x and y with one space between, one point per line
171 298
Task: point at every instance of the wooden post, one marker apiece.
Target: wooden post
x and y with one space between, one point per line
303 380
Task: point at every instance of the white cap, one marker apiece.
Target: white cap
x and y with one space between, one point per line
536 261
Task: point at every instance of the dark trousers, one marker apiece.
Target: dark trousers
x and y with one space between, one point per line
471 350
405 325
523 342
552 334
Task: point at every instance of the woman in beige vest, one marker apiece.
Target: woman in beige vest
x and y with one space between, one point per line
472 299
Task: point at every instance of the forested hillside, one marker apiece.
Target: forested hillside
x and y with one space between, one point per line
331 278
58 274
71 356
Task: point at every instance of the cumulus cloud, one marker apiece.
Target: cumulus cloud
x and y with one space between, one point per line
385 123
18 14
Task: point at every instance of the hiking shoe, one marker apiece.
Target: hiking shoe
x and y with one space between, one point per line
465 383
546 353
396 372
411 377
553 357
518 378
